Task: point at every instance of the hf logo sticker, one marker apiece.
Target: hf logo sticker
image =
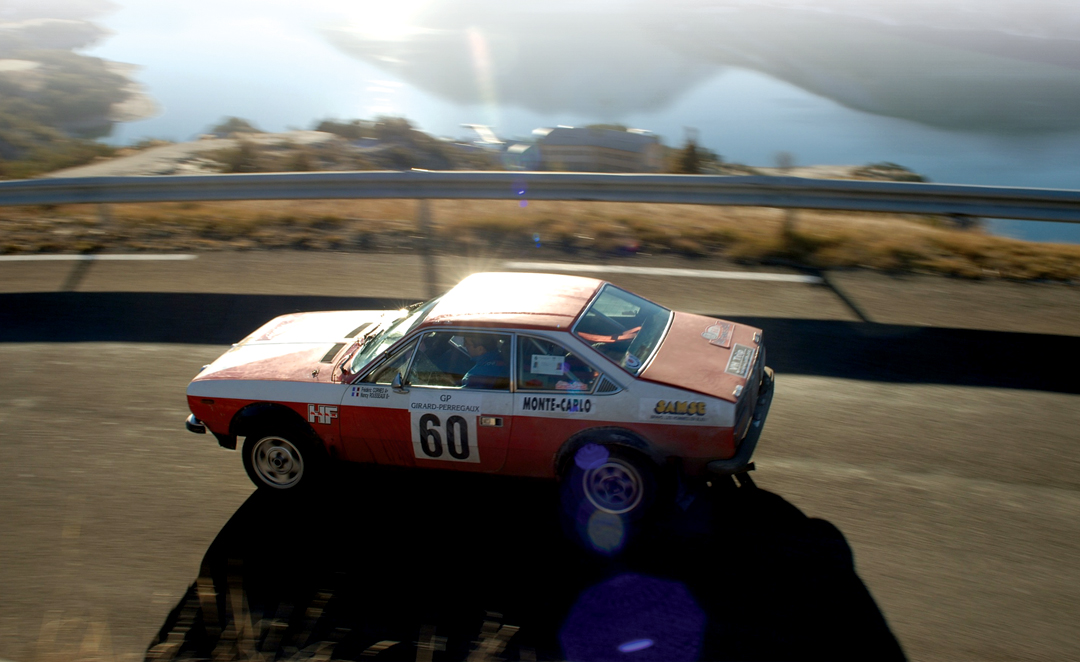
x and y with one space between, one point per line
322 413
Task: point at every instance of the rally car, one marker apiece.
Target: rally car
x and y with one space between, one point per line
540 375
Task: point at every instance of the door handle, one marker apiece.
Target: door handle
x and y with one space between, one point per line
491 421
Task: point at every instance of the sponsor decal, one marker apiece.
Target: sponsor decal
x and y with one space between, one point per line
718 334
444 425
680 407
742 357
548 365
561 405
373 392
322 413
691 411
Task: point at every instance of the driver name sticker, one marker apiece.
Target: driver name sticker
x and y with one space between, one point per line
371 392
444 425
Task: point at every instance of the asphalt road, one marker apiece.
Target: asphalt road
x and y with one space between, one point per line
917 483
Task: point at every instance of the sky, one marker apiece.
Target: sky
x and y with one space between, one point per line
964 91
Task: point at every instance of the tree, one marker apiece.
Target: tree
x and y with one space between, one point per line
689 158
353 130
242 158
231 125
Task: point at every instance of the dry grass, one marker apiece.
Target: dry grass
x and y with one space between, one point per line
752 235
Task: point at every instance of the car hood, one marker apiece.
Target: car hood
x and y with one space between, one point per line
705 355
298 347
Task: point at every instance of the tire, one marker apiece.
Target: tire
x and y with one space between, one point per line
284 461
619 485
607 494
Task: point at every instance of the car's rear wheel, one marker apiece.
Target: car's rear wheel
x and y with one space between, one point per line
607 492
616 485
284 460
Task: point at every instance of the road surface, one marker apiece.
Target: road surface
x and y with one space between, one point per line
927 425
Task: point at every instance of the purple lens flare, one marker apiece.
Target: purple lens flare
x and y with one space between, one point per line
635 646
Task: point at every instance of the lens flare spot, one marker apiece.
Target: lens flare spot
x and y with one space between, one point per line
591 456
609 621
635 646
606 532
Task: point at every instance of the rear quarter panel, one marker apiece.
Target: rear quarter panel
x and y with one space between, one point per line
674 422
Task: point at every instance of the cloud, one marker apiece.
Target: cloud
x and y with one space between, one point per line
975 65
601 62
50 33
21 10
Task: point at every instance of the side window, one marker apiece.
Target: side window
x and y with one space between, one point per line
468 359
547 366
439 361
384 374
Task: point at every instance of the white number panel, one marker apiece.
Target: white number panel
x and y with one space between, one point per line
444 425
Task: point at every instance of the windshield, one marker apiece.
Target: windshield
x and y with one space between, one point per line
393 326
623 327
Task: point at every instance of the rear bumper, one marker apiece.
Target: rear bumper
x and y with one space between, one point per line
741 461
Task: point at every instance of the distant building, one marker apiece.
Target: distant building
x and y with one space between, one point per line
522 156
598 150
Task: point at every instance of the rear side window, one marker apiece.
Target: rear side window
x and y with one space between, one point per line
547 366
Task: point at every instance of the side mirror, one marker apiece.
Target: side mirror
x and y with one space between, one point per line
398 385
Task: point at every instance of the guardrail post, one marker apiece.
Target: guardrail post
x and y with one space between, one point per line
790 216
423 224
104 215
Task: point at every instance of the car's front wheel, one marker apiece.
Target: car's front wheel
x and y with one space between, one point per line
285 460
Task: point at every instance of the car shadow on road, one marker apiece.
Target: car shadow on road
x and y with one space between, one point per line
440 566
828 348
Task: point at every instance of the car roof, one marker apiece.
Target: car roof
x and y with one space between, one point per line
518 300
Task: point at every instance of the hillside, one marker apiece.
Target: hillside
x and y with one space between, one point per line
53 100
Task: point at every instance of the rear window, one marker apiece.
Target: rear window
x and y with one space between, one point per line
623 327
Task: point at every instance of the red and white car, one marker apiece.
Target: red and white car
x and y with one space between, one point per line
518 374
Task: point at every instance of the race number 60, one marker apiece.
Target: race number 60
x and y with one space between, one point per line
457 437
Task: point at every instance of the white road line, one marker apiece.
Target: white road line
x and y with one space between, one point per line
132 257
660 271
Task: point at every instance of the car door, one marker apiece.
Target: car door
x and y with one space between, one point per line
555 395
451 411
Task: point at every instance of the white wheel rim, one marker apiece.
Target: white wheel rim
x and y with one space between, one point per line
277 462
614 487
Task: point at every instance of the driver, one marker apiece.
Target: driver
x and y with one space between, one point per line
490 370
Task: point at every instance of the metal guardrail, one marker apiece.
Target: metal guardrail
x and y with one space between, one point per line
786 192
